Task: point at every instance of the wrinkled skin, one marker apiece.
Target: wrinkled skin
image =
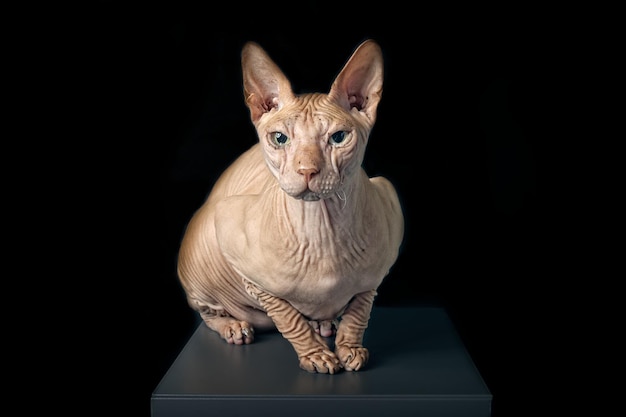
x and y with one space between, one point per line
294 235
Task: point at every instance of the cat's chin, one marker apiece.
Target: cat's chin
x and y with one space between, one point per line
310 197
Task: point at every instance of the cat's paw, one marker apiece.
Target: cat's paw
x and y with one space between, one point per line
322 362
352 358
238 332
326 328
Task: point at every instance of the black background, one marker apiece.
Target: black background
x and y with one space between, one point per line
463 131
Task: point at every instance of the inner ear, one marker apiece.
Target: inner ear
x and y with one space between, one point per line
356 98
359 84
265 86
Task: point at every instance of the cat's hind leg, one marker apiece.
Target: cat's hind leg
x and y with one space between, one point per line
238 332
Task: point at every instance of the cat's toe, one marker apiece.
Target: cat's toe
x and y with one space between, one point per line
247 332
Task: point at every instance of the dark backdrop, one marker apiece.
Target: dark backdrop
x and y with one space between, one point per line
459 133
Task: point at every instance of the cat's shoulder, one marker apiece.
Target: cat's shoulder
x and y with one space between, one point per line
384 186
387 192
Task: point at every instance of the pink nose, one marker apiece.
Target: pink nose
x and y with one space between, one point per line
308 173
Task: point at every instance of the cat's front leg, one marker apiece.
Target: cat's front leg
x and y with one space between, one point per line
349 340
310 347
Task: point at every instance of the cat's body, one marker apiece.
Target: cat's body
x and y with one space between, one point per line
294 235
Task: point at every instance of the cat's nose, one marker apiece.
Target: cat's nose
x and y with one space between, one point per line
308 173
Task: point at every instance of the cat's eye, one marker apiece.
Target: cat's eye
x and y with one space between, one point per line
338 137
279 138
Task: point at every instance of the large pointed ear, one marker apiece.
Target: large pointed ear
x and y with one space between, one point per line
360 82
264 84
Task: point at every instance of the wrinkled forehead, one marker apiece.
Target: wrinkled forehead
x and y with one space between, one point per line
309 113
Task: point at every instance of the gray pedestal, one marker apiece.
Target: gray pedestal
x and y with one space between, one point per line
418 367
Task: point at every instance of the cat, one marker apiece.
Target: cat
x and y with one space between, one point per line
294 236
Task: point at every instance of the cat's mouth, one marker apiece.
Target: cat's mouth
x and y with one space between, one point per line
308 194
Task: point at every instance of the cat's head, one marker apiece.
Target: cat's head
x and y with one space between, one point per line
314 143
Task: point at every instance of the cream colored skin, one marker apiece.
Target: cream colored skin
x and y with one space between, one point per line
294 235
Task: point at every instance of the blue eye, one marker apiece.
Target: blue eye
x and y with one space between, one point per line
279 138
338 137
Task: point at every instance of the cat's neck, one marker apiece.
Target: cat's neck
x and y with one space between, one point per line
339 214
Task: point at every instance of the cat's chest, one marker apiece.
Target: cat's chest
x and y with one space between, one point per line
319 266
319 287
311 257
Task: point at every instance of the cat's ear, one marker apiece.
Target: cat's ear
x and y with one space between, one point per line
360 83
264 84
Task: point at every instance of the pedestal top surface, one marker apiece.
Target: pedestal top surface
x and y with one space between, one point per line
414 352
